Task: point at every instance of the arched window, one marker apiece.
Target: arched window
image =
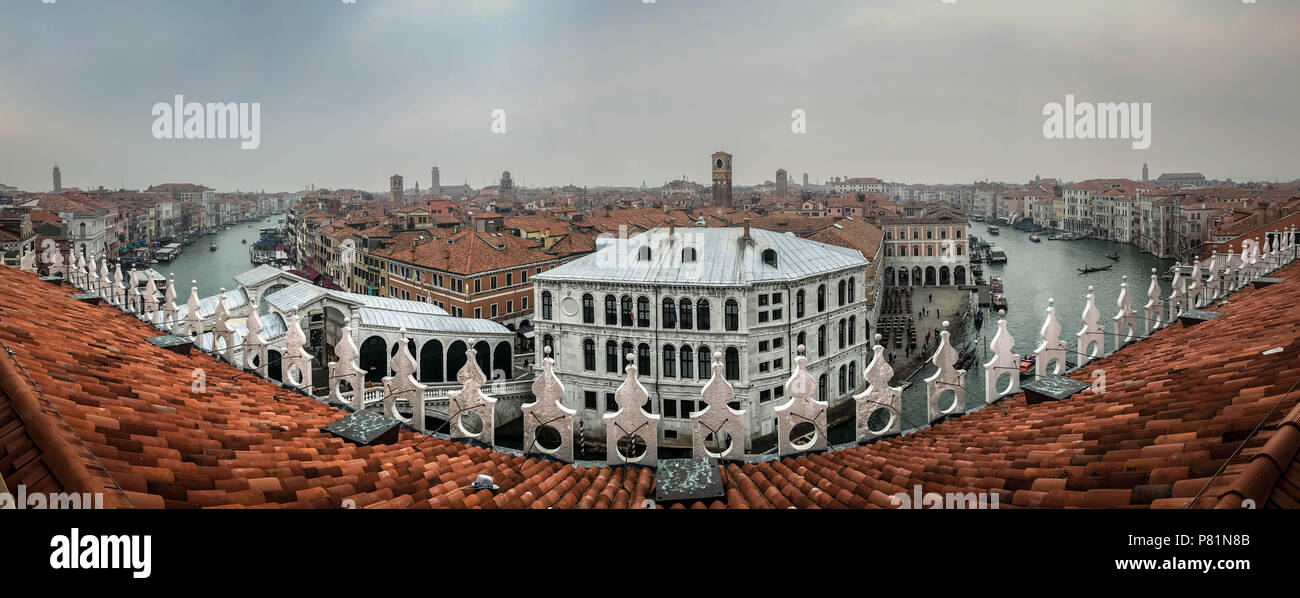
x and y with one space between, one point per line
546 305
643 254
916 234
916 251
688 254
588 354
821 388
732 315
959 233
588 309
959 250
841 336
842 379
929 250
732 364
853 375
798 304
670 313
670 362
611 310
853 330
627 310
853 289
611 357
769 257
702 314
704 359
821 341
627 348
688 362
684 313
929 233
943 233
642 312
643 359
821 298
843 292
801 339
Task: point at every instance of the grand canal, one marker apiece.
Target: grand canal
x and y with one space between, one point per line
1035 272
216 269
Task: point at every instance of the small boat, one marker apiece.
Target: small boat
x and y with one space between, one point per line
212 247
1090 269
1166 276
1113 256
997 256
1027 365
1035 238
993 230
245 241
1056 238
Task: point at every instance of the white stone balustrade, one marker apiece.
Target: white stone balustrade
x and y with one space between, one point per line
223 334
254 346
1195 286
168 319
1092 334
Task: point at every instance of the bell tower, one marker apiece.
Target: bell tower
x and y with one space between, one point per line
721 179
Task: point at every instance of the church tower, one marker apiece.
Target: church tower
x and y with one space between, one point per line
396 190
721 179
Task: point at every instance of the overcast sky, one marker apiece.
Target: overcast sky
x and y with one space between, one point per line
616 92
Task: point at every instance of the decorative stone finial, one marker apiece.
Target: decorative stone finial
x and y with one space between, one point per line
548 411
1004 362
802 407
1052 348
347 370
946 377
717 423
631 427
1092 334
1126 319
879 395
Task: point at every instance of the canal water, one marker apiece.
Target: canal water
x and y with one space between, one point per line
1033 273
216 269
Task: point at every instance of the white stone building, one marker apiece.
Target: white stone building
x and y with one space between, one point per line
673 297
928 250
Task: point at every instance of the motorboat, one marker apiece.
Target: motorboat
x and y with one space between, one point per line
1035 238
212 247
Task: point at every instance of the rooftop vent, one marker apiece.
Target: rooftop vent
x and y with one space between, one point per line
365 428
176 344
1051 388
688 479
1193 317
1266 281
90 298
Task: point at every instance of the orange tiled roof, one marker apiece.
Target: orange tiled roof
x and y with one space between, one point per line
1177 407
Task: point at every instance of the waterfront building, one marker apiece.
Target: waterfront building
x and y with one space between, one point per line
673 297
929 249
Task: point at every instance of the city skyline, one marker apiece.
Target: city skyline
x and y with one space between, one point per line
621 93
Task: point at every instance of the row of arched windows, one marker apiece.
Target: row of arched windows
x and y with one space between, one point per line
684 362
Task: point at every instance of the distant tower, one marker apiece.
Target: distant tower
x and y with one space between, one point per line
395 189
507 186
780 183
1145 178
721 179
805 179
58 179
436 189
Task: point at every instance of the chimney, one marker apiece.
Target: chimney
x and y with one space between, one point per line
746 221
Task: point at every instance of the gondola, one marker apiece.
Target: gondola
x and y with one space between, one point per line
1090 269
1113 256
